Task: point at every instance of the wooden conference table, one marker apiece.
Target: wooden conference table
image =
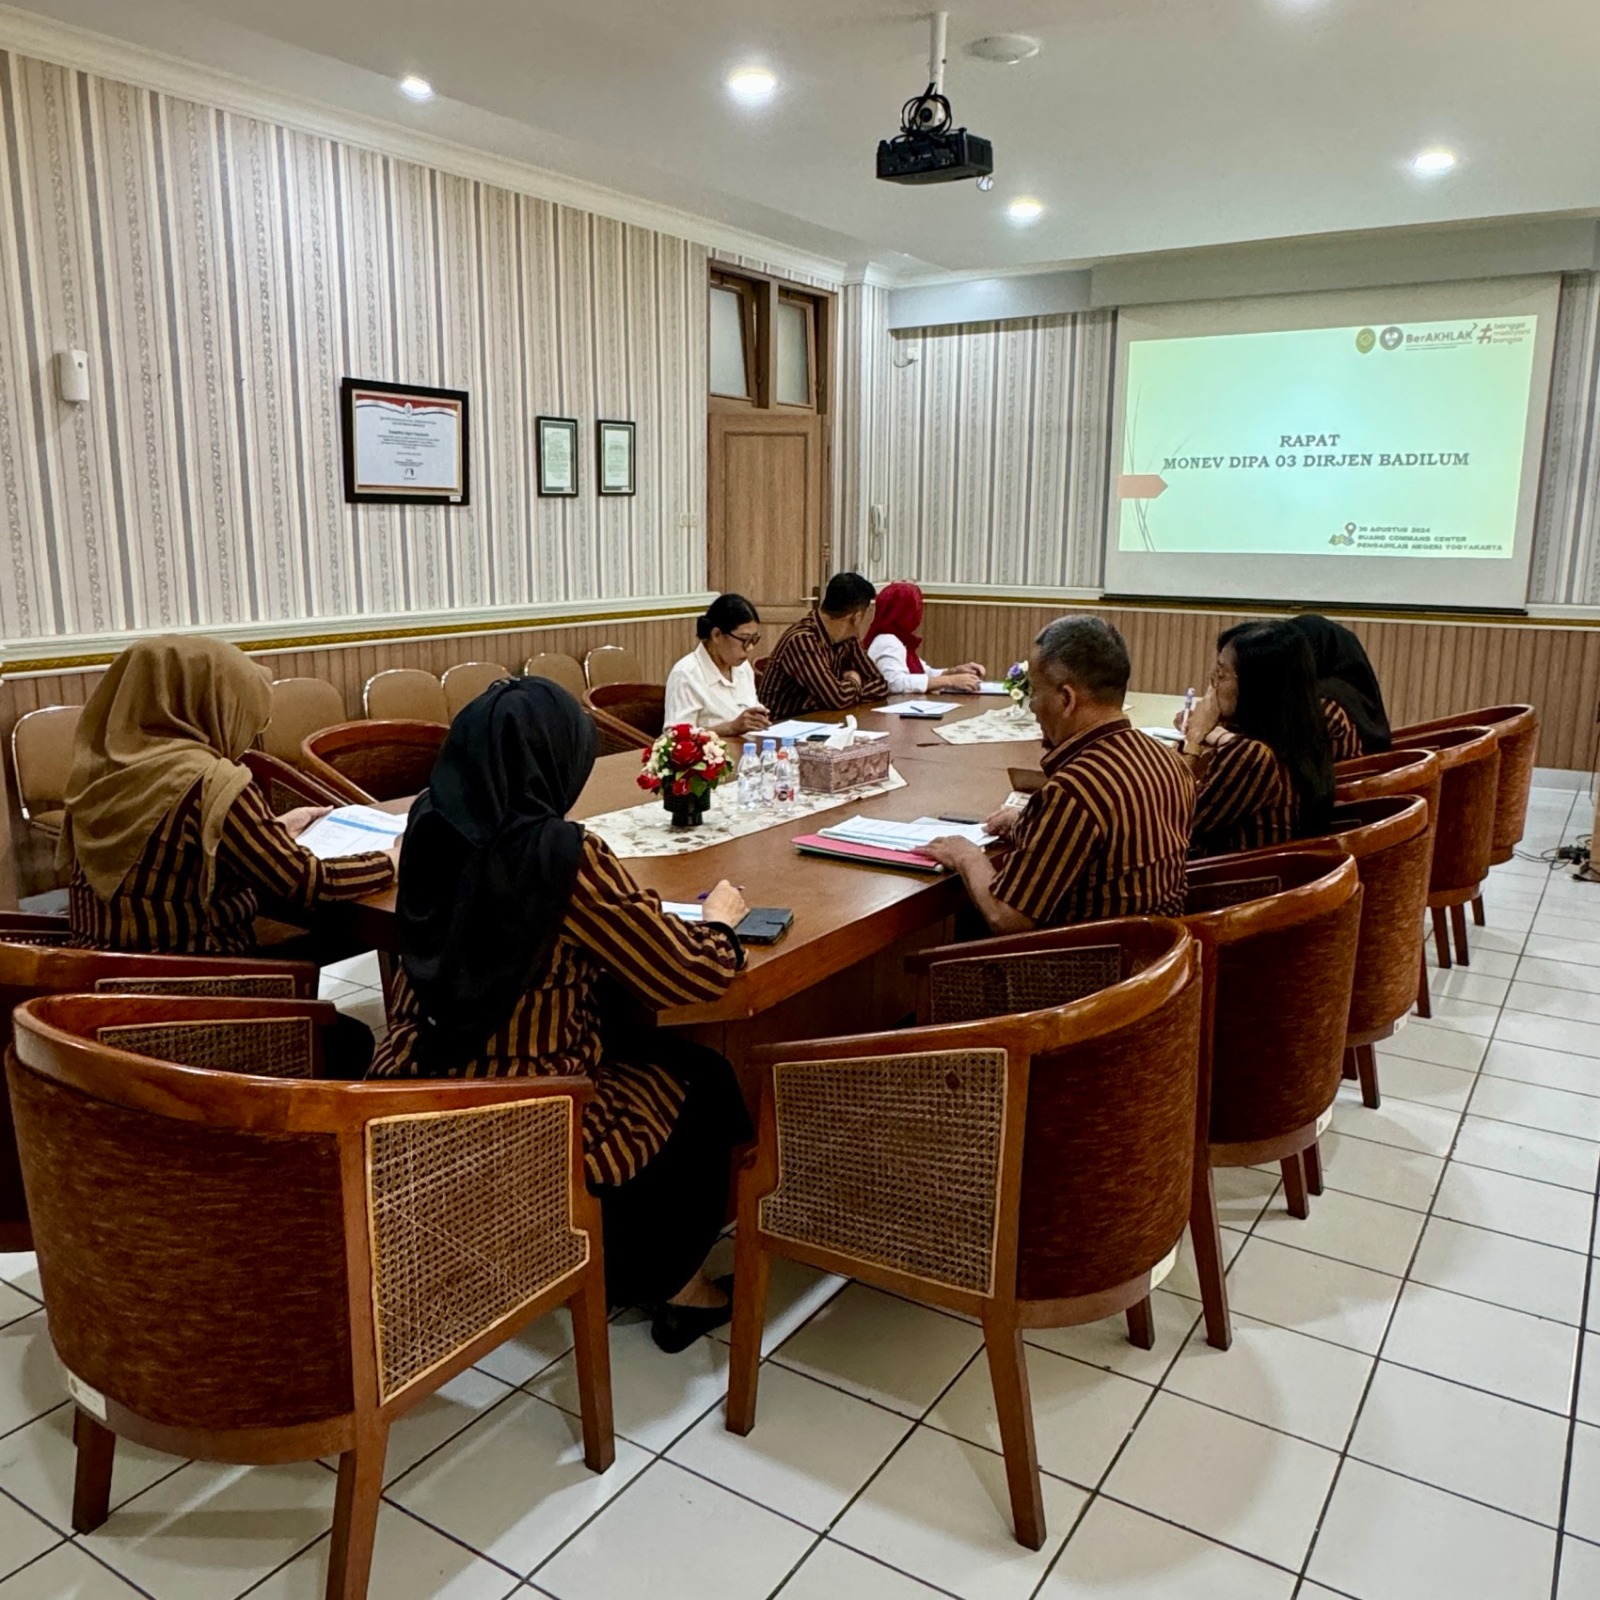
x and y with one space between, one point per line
840 969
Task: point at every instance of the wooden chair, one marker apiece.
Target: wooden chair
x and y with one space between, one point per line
612 663
558 669
35 960
465 681
1395 772
286 788
1469 779
404 694
366 762
300 707
1280 929
41 758
362 1243
1517 729
628 715
1031 1170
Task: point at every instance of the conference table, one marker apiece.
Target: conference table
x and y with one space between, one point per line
841 967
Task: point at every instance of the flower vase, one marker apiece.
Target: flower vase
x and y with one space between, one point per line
686 810
1021 710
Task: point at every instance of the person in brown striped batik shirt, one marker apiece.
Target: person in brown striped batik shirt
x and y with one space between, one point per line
526 949
1259 746
1108 833
820 664
1342 735
172 848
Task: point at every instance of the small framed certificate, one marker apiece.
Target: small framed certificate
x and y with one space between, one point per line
558 454
404 444
614 450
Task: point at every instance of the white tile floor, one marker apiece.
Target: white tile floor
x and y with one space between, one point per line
1410 1411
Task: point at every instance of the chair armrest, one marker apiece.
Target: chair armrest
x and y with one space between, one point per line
617 735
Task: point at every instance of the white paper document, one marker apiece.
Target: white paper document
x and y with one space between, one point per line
684 910
351 831
905 835
917 708
794 728
992 686
1165 735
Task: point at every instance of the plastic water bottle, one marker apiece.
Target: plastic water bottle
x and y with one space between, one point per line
784 776
769 771
749 777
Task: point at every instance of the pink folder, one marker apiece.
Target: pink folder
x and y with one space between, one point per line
868 855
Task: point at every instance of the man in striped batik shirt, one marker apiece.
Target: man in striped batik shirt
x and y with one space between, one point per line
1108 832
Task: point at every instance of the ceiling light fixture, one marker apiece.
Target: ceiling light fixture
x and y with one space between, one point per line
1433 163
1025 210
1004 49
415 88
752 86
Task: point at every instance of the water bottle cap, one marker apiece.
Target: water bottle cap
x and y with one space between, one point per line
769 744
749 747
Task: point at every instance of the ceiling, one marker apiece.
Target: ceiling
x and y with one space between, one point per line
1142 125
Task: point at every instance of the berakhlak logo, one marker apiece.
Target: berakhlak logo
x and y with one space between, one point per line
1391 338
1365 341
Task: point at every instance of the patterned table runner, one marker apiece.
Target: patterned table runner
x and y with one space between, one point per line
646 830
993 727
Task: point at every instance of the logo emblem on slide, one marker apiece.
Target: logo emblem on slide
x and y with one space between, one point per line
1346 538
1365 341
1391 338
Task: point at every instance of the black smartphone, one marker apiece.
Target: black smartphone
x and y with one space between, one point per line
765 924
964 818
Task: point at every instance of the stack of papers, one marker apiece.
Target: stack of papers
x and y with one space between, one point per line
351 831
684 910
908 836
916 708
992 686
794 728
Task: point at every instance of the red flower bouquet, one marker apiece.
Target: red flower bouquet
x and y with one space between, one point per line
683 766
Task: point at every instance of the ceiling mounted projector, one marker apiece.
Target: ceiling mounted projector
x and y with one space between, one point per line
928 149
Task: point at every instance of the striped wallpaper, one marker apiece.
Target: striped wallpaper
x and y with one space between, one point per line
223 274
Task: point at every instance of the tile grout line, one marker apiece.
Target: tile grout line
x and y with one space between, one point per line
1573 1423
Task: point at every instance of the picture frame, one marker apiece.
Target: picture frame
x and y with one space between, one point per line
404 443
557 442
614 457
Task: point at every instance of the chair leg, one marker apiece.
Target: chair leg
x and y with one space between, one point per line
1008 1372
355 1513
1311 1160
1142 1325
1348 1068
1367 1070
591 1348
91 1484
1424 998
752 1270
1294 1187
1477 909
1206 1236
1441 938
1458 921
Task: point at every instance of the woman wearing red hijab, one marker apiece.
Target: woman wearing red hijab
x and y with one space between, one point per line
893 642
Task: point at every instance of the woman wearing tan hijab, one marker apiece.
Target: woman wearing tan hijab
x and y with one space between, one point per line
172 847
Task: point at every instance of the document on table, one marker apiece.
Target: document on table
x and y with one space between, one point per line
351 831
916 708
1165 735
992 686
794 728
684 910
910 836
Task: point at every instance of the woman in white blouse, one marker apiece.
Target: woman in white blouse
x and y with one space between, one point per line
893 641
714 687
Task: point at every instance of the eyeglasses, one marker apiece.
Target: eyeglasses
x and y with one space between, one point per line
750 641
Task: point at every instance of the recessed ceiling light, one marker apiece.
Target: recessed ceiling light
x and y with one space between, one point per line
1025 210
1433 163
415 88
752 86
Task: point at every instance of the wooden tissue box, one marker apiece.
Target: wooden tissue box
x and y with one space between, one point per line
825 771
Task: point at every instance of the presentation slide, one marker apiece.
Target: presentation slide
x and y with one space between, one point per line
1333 453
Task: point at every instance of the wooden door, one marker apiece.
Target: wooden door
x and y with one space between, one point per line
767 477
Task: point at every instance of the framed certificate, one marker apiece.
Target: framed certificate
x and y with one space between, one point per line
403 444
558 454
614 449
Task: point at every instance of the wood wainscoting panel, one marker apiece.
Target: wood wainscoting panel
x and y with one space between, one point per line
1428 667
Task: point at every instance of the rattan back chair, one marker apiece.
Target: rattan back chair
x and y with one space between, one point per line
361 1243
464 682
404 694
286 788
35 960
612 663
1463 843
560 669
366 762
300 706
41 760
628 715
1280 970
1030 1170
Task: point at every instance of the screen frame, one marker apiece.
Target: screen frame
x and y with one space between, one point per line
1395 582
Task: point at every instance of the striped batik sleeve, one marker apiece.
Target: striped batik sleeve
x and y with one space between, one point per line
1240 780
874 686
1054 842
662 960
802 675
1342 734
258 848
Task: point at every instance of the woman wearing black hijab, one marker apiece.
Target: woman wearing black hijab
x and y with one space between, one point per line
1357 721
511 921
